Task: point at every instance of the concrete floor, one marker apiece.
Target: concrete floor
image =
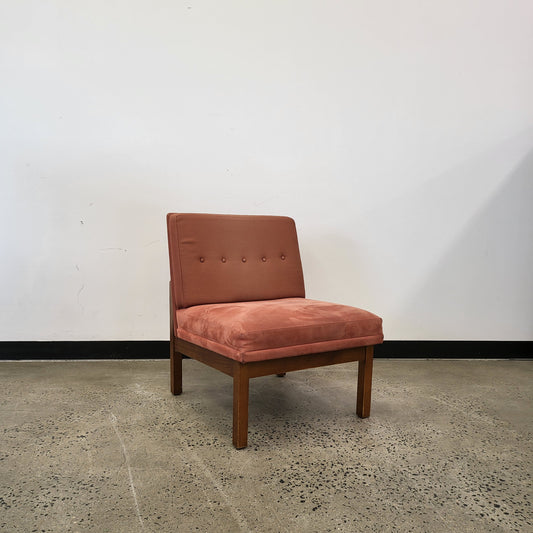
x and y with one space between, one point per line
103 446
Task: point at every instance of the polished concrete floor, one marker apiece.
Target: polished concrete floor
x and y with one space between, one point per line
103 446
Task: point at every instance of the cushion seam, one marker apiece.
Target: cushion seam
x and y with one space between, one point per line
271 330
313 325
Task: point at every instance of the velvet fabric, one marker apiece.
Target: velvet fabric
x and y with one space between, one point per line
233 258
259 330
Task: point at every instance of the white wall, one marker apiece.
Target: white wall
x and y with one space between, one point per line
399 135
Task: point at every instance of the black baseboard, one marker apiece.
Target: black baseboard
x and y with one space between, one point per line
47 350
455 349
84 350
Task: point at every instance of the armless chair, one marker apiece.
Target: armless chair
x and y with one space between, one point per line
237 304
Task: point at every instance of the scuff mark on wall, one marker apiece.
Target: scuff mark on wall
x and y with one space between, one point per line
78 297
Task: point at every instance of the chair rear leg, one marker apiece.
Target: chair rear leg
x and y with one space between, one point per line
175 366
241 383
175 357
364 383
176 373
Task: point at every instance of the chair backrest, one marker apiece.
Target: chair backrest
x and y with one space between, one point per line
232 258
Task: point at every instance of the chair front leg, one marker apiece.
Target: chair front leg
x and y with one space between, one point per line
241 383
364 383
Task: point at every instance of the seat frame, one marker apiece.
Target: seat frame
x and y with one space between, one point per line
242 372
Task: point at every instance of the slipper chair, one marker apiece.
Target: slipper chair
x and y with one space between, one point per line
237 304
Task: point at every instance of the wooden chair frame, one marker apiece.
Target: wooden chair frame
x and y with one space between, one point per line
242 372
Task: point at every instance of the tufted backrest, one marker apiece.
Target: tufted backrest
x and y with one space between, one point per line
233 258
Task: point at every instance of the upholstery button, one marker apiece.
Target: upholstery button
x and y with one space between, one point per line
282 257
244 259
263 259
202 259
223 259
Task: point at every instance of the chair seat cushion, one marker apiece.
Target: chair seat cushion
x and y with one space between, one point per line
270 329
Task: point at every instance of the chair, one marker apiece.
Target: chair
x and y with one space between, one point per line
237 304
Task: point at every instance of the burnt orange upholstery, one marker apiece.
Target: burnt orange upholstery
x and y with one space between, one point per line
269 329
233 258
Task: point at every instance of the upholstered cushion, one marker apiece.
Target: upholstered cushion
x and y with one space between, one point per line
258 330
233 258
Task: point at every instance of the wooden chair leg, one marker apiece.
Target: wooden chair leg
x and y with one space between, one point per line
175 357
241 383
176 373
364 383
